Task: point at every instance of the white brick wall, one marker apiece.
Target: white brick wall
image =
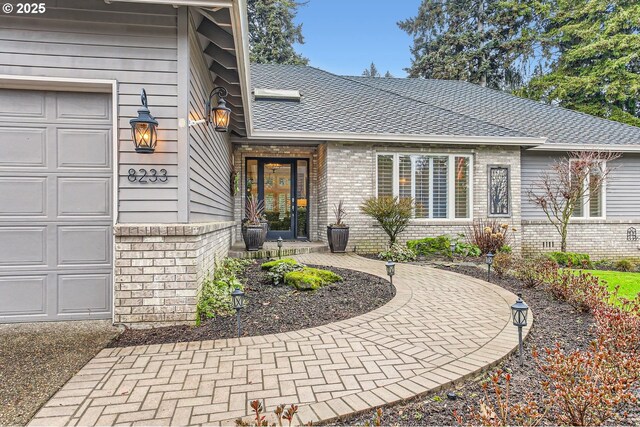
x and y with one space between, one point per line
600 239
159 270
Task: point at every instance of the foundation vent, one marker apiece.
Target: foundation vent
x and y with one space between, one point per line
547 245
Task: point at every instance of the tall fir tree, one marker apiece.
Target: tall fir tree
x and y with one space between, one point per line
594 47
372 71
481 41
272 32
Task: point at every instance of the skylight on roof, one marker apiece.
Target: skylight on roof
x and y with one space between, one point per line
278 94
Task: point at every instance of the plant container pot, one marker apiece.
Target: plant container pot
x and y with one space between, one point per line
265 229
338 238
253 238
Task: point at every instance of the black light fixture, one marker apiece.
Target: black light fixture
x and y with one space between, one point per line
452 248
219 115
238 299
489 260
519 312
280 247
144 128
391 270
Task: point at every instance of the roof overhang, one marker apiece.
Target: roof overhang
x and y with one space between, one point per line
177 3
589 147
397 138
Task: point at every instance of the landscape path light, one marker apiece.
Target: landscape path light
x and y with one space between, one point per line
391 270
452 248
519 312
280 247
238 301
489 260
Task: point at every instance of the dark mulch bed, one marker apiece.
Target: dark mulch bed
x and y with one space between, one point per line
273 309
555 321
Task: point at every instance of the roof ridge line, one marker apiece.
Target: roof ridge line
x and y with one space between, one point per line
356 80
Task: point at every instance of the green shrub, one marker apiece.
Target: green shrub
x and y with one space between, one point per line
398 253
467 249
309 279
278 271
215 294
430 245
506 249
270 264
392 213
572 259
625 265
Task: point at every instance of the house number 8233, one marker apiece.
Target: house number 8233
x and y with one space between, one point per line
144 176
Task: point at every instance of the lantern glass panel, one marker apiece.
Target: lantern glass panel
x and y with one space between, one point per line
221 118
144 136
391 269
489 259
237 297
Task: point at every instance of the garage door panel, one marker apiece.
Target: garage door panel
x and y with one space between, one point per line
21 246
84 197
84 293
84 245
22 104
23 147
23 196
56 206
84 148
82 106
23 295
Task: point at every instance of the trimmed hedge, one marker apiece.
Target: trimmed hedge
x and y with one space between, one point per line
430 245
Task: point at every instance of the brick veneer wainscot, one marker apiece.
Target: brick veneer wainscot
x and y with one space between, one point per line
159 270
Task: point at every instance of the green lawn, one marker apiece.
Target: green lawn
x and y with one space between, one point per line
629 282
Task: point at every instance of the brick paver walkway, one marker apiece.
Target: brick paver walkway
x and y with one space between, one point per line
439 328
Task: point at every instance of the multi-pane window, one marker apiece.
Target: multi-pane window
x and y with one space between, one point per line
499 191
439 184
590 204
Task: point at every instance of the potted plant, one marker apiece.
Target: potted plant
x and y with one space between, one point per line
252 230
338 232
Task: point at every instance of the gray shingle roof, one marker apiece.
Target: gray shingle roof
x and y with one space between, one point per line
332 103
559 125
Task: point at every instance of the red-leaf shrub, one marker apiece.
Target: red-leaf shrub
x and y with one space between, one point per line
619 326
582 290
589 387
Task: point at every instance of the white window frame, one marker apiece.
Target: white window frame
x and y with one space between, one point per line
586 208
450 182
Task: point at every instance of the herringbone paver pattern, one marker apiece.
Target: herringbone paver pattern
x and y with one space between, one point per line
440 327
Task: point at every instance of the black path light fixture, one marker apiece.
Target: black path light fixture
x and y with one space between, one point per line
452 248
391 270
220 115
238 300
489 260
280 247
144 128
519 312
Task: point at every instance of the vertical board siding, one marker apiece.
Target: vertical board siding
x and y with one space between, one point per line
134 44
622 191
210 162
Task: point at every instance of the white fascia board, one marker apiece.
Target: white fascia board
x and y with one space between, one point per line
175 3
240 29
589 147
436 139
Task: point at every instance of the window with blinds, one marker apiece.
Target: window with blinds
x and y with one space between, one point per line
385 176
438 184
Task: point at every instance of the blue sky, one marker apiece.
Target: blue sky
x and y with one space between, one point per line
345 36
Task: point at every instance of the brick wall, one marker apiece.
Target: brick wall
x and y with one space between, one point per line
601 239
351 177
243 152
159 270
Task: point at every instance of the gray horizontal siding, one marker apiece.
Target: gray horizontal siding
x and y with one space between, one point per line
132 43
623 191
209 151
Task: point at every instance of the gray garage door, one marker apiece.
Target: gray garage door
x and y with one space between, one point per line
55 206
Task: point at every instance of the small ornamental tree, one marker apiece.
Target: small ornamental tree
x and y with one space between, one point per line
392 213
569 184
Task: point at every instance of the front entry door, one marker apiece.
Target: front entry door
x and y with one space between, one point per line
282 184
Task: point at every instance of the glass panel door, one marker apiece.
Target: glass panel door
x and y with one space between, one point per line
302 198
277 186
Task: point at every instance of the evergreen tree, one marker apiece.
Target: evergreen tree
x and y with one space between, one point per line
594 47
372 71
481 41
272 32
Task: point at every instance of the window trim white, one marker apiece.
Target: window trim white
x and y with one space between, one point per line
395 176
586 208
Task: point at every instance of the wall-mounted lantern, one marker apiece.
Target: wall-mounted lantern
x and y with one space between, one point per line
221 114
144 128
